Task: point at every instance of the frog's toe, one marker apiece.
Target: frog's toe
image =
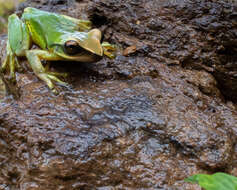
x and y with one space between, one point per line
57 74
10 64
109 50
55 78
2 69
12 78
64 75
54 91
5 64
19 68
49 78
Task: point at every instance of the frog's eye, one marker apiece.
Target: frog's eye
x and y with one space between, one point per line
71 47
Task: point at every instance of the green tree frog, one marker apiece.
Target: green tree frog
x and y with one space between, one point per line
60 37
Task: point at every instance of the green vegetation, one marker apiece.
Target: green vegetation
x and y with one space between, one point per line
217 181
6 8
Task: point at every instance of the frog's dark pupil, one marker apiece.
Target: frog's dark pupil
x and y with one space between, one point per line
72 47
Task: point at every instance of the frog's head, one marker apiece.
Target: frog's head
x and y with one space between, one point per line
80 46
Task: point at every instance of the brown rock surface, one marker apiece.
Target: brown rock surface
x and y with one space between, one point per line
143 121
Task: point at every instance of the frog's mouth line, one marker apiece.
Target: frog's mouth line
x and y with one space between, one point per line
83 56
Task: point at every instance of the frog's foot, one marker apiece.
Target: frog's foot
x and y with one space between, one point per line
34 57
109 50
11 62
48 78
57 74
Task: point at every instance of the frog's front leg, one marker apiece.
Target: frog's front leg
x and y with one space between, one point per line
9 61
18 42
34 57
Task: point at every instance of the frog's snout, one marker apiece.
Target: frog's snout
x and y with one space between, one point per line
95 33
94 44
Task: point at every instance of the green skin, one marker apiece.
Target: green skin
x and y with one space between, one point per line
60 37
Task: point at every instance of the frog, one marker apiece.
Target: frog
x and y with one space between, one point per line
58 38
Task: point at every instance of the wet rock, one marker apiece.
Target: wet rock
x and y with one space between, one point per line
196 34
216 22
146 121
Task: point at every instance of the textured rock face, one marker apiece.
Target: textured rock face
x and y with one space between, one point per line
142 121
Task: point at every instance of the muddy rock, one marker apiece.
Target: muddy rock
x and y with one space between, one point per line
146 120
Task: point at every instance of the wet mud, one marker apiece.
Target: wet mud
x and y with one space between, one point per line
162 110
